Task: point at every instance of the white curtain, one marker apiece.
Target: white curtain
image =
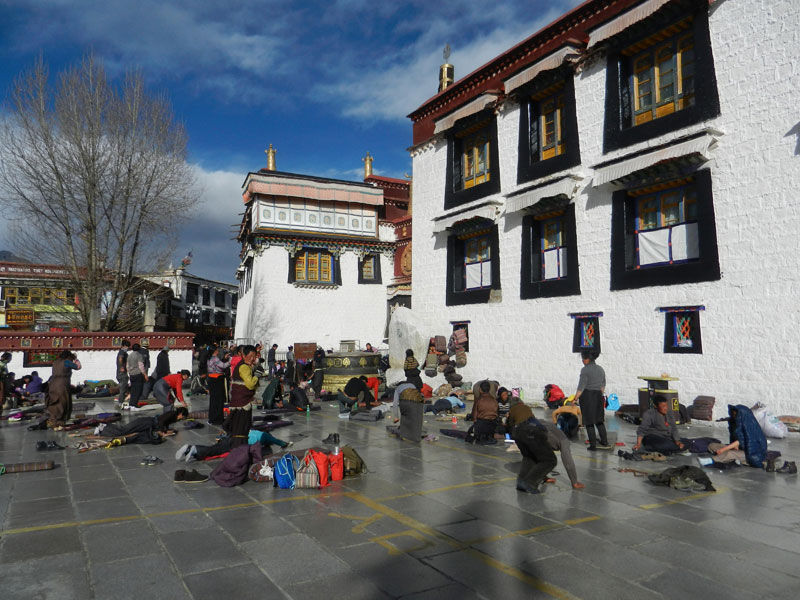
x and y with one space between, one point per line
555 263
685 244
654 247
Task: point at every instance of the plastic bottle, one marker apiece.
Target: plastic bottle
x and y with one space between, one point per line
455 420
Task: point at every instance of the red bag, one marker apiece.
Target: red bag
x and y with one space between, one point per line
337 466
322 465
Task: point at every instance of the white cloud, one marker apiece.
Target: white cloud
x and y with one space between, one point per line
397 85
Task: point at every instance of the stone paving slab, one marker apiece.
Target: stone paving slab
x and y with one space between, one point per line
429 521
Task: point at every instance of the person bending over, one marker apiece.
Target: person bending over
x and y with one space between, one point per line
167 386
538 458
658 432
355 393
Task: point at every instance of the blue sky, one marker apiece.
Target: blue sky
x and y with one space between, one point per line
322 81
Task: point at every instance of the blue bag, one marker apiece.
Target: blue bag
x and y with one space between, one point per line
284 471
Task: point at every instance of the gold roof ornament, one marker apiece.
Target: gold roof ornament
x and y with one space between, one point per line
367 160
447 71
271 152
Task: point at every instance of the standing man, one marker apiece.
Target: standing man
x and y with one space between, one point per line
162 363
122 371
145 352
271 359
136 374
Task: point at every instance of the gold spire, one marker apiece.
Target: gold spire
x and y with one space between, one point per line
271 152
446 70
367 160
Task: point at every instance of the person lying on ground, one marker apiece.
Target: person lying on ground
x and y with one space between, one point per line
190 452
658 432
447 404
144 430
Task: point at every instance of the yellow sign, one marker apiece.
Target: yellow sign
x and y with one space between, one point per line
17 316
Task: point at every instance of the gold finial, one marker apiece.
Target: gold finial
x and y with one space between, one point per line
271 152
446 71
367 160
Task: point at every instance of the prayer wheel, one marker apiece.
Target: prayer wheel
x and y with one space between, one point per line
340 367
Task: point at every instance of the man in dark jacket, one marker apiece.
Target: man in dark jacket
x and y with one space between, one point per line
538 458
162 363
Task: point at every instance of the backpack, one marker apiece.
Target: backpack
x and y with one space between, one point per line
460 337
440 342
307 476
353 463
323 467
284 471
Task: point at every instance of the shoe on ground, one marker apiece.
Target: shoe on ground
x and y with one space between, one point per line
190 456
344 415
194 477
770 466
331 439
151 461
524 486
180 476
182 452
788 468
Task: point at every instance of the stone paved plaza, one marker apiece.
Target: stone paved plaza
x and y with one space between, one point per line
436 520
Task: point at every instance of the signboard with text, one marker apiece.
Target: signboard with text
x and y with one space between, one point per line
16 317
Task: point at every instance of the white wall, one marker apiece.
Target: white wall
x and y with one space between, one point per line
99 364
274 311
750 322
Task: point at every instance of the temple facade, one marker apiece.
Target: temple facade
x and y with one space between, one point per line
624 181
318 258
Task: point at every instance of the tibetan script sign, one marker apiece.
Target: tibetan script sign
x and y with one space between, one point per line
19 316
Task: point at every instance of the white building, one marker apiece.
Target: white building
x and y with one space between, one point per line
626 180
202 306
316 261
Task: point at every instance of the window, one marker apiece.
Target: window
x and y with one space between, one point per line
206 296
548 138
369 269
192 293
207 317
49 296
219 298
682 330
234 300
315 267
660 79
473 263
664 234
666 225
549 253
472 157
219 319
475 160
586 332
477 263
663 77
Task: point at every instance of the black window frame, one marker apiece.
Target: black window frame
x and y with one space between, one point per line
705 268
669 331
529 165
206 296
337 271
454 195
533 287
619 131
376 269
454 277
217 295
577 333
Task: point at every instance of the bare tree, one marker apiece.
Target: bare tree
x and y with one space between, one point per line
94 177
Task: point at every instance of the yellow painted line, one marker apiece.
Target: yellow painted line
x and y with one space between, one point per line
582 520
365 521
684 499
171 513
534 582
